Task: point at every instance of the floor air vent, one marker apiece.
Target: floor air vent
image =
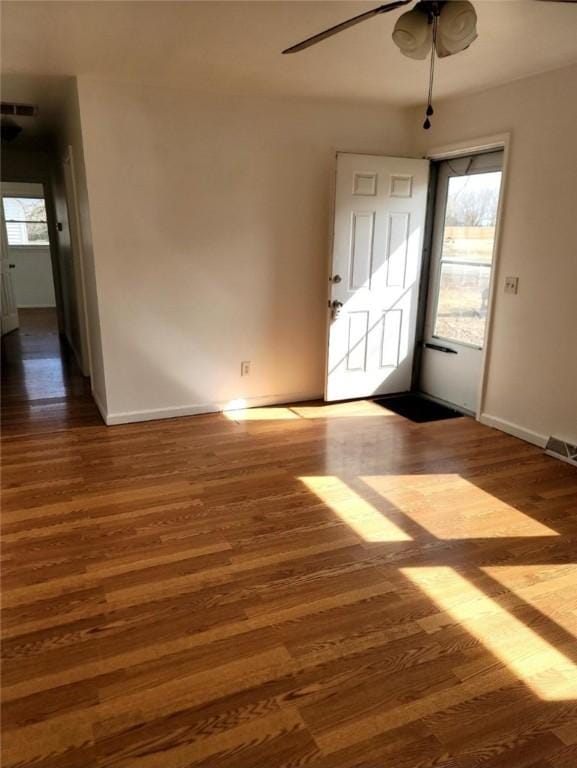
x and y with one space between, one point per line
562 450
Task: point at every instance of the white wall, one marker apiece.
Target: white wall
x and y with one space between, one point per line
210 220
532 354
210 234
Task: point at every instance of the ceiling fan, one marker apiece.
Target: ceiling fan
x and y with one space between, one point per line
432 27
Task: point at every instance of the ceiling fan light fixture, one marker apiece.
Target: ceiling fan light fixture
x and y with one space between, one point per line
457 27
413 34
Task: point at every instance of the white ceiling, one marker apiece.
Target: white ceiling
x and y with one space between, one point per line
235 46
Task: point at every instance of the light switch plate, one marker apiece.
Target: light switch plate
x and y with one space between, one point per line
511 285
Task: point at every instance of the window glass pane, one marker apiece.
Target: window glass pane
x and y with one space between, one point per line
24 209
37 233
21 213
470 217
466 257
462 303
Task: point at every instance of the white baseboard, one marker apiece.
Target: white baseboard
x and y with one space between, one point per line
129 417
513 429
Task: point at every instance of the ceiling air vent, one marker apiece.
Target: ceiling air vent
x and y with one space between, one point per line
18 110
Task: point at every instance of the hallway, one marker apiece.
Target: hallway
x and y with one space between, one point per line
42 387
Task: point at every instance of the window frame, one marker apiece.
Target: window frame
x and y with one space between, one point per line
25 246
441 261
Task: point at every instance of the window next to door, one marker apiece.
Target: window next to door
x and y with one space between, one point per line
466 257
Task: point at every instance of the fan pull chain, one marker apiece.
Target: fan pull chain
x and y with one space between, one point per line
430 110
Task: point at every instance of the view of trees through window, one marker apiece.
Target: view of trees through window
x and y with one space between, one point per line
467 254
25 219
473 200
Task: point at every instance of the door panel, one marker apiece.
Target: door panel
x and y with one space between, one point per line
380 207
10 319
465 218
76 311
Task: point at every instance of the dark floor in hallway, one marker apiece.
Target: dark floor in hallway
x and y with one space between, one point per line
42 385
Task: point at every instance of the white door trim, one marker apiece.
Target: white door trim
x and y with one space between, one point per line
459 149
78 258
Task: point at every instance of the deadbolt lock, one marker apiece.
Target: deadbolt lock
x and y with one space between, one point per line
336 308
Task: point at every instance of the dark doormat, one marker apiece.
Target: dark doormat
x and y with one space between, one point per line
417 408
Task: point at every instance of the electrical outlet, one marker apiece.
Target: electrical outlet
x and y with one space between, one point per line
245 368
511 285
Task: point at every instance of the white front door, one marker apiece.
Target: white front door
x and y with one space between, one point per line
466 205
10 320
380 207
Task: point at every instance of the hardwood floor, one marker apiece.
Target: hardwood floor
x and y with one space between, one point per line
42 387
325 586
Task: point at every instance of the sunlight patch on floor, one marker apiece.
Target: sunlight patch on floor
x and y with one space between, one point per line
451 507
260 414
547 671
354 409
367 521
550 589
237 410
44 378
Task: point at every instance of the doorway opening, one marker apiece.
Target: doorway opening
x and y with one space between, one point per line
464 221
27 276
39 367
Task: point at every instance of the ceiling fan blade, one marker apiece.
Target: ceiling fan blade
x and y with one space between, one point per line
345 25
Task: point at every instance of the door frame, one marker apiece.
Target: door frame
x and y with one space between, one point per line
74 231
501 141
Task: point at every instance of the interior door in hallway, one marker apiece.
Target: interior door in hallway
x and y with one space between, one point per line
10 319
380 208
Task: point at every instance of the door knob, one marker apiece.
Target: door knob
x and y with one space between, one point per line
336 279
